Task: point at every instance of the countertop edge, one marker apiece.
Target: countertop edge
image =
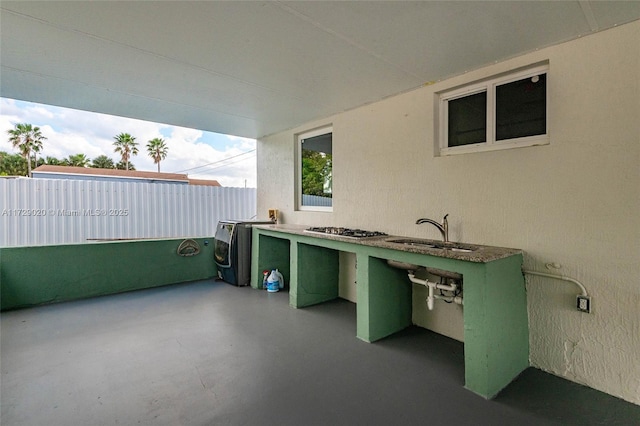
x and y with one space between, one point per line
484 253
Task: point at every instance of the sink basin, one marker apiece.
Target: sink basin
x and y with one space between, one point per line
413 242
434 271
462 248
403 265
443 273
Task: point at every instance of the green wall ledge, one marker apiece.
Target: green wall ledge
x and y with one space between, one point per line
31 276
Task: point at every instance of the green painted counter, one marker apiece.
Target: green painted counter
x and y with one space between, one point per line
496 336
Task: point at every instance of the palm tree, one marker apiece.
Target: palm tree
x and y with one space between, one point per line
52 161
40 161
157 149
26 138
78 160
123 166
36 150
103 162
126 146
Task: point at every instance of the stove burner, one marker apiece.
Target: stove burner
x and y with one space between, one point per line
345 232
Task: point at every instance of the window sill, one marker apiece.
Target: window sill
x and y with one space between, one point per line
315 209
496 146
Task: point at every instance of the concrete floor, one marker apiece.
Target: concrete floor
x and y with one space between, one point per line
207 353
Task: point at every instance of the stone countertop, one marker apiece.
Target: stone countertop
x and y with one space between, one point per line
480 253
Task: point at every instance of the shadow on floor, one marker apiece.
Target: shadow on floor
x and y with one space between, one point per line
569 403
206 353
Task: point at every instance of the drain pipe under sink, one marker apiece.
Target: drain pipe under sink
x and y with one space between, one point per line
432 286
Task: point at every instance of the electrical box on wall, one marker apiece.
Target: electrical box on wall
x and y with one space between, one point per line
273 215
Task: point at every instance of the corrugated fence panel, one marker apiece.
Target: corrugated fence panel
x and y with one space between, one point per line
55 211
316 200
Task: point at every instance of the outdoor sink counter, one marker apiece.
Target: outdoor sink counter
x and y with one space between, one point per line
496 337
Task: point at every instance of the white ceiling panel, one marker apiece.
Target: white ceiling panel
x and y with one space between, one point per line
255 68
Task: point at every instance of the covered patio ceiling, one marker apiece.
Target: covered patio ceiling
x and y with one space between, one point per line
256 68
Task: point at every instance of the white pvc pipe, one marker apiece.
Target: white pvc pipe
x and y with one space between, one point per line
432 286
451 287
558 277
415 280
430 298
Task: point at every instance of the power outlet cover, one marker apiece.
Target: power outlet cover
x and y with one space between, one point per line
583 303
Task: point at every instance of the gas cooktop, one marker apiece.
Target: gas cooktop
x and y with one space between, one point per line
345 232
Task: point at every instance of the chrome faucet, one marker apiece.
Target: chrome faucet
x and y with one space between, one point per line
442 227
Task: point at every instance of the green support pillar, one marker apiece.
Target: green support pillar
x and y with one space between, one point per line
496 337
384 299
316 275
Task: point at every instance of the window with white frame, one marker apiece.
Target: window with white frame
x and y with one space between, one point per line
314 170
508 111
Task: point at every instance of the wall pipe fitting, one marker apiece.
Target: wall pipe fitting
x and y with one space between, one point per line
558 277
432 286
455 299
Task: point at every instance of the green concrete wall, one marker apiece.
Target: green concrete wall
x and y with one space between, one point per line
317 275
386 295
46 274
498 357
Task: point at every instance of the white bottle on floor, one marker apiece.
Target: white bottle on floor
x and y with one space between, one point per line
273 284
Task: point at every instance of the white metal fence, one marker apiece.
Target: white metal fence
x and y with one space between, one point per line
316 200
55 211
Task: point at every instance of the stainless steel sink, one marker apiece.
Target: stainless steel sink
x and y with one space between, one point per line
443 273
415 242
412 242
434 271
460 249
403 265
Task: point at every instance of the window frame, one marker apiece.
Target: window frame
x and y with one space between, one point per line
298 187
489 86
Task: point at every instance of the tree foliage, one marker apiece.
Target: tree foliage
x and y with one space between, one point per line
27 139
78 160
316 172
122 166
126 146
16 165
157 149
103 162
12 164
53 161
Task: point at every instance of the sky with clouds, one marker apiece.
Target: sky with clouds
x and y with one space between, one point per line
230 160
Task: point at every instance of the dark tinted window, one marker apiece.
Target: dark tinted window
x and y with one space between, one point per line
521 108
468 120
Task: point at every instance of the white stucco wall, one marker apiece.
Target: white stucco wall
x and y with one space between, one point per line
575 201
